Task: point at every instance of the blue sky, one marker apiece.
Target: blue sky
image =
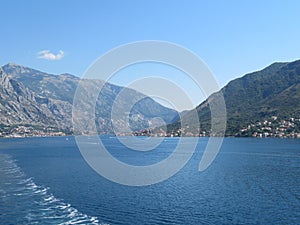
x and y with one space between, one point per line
231 37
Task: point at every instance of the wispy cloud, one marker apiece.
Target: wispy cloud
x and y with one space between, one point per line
47 54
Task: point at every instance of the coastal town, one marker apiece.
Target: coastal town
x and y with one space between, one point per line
22 131
273 127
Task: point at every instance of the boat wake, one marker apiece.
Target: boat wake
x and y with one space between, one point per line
24 202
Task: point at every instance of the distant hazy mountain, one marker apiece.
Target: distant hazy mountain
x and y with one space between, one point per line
273 91
32 97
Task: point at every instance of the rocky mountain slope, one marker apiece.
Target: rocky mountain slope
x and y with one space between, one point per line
34 98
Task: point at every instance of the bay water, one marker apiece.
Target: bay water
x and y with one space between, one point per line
251 181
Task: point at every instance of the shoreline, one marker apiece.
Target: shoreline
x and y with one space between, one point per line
71 135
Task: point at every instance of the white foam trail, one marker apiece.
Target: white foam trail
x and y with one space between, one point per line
39 205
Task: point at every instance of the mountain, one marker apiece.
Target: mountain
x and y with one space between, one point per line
19 105
273 91
30 97
34 98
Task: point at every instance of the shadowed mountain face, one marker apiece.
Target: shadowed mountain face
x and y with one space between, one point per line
29 96
273 91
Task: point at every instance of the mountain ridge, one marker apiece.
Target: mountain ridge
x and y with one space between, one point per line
50 98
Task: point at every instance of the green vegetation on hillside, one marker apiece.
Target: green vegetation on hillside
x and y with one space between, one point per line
273 91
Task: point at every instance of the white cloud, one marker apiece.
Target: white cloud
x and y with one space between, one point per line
46 54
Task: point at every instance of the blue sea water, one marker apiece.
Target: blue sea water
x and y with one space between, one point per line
251 181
